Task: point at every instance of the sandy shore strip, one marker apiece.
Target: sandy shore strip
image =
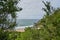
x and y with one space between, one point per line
22 28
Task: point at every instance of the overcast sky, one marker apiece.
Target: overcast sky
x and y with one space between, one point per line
32 9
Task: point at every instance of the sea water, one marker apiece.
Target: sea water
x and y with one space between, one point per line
22 23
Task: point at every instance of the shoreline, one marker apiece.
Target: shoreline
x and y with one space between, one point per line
22 28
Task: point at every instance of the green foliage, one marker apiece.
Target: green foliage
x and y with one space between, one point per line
3 35
48 8
51 26
30 34
14 35
8 8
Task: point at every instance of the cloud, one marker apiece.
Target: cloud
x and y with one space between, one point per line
32 9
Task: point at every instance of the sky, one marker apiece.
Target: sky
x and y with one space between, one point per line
32 9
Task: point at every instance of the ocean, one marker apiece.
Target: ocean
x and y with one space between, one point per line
22 23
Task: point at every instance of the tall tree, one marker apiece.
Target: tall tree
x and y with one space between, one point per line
8 9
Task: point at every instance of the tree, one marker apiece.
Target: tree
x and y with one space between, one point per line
8 9
48 8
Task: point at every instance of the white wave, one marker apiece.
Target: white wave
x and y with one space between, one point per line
23 27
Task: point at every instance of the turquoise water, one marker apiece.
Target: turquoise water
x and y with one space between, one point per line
26 22
22 23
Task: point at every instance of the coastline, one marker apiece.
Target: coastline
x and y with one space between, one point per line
22 28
